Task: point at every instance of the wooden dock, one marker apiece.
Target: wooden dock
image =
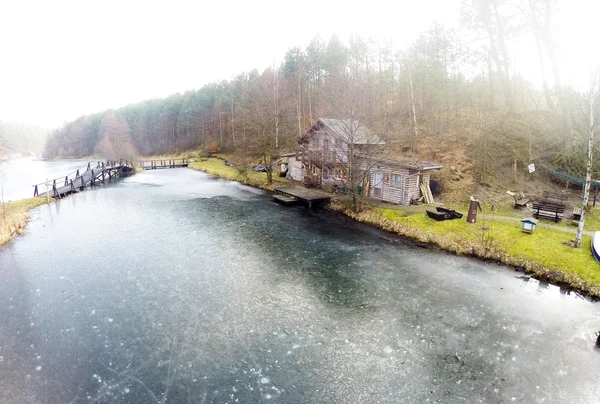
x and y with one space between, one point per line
292 194
172 163
85 177
286 200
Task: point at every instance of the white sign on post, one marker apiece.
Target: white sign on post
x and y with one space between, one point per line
531 168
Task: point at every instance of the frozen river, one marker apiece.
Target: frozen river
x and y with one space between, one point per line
18 176
171 286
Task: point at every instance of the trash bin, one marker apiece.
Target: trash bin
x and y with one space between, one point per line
473 206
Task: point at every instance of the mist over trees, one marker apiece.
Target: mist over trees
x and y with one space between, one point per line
20 138
449 95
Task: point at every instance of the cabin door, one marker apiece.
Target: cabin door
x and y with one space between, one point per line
378 185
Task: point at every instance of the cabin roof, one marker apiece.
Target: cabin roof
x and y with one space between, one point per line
349 130
417 166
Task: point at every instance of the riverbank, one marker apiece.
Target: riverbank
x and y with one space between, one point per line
216 166
14 216
546 254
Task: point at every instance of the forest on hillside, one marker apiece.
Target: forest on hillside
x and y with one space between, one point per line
452 96
21 138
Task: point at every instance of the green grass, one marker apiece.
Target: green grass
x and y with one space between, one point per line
13 217
546 253
546 247
592 220
217 167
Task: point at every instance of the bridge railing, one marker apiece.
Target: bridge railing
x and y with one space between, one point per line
163 163
68 179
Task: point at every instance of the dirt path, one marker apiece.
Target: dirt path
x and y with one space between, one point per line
572 229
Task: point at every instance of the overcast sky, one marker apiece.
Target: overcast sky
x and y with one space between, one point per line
62 59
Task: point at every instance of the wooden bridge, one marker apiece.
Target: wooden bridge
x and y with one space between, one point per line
83 178
171 163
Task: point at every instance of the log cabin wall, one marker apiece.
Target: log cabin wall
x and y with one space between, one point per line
296 169
408 189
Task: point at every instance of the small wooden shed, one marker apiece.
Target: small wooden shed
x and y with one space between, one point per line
295 166
398 182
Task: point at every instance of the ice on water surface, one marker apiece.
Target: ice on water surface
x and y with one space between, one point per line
162 295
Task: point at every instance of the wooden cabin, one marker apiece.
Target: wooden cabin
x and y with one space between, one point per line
396 181
326 150
328 144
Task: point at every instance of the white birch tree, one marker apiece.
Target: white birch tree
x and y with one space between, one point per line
589 105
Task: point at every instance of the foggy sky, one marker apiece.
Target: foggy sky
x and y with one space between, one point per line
62 59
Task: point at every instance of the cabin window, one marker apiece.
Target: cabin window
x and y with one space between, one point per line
396 180
378 184
314 170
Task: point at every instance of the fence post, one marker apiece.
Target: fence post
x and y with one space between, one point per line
56 194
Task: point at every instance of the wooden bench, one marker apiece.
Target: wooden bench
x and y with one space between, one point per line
558 199
576 214
548 210
552 206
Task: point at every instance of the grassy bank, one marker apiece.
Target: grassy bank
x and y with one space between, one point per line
545 254
216 166
13 217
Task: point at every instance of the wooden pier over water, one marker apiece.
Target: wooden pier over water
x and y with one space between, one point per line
85 177
170 163
292 194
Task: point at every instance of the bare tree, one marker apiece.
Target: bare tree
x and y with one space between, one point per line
262 106
589 107
346 99
4 149
484 16
558 86
415 138
115 142
535 16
